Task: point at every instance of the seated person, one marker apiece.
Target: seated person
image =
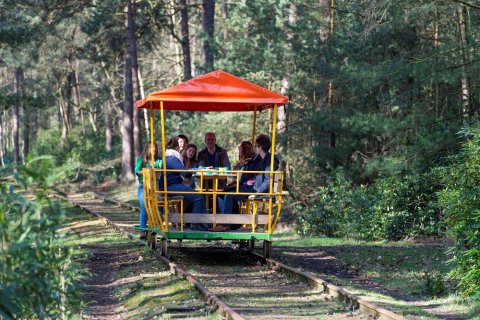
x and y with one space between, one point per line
250 182
189 154
213 156
182 142
175 182
245 155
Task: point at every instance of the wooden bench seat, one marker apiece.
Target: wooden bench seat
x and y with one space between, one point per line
217 218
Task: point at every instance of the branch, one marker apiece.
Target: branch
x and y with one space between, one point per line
467 4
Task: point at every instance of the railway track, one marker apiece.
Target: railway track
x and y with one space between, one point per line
240 284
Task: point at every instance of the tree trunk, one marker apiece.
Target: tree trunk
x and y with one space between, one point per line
26 134
127 128
145 111
326 103
187 64
2 163
17 90
208 17
225 18
137 134
465 86
107 117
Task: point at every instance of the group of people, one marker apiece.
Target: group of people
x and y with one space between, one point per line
181 155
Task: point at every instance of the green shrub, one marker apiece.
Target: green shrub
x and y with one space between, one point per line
39 277
80 155
389 209
460 200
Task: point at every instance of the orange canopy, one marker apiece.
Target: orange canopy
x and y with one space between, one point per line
214 91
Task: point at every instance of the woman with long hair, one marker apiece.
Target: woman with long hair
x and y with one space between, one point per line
189 154
145 160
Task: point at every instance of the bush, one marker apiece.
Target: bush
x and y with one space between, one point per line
38 276
389 209
460 201
79 155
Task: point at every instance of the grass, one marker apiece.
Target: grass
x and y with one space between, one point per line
415 274
418 272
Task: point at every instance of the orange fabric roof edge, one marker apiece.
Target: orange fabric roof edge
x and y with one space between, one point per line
217 91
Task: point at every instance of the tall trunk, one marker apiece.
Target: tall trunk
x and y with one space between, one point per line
325 32
26 134
208 17
75 85
187 69
281 115
137 133
465 86
127 128
145 111
17 90
174 41
1 142
107 117
225 18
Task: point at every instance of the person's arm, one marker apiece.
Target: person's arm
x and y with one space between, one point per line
176 164
262 181
138 167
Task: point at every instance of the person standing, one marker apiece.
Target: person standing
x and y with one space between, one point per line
145 161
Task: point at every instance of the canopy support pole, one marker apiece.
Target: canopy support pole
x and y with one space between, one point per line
164 168
152 142
254 124
272 168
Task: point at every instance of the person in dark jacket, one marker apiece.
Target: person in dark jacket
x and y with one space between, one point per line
213 155
251 182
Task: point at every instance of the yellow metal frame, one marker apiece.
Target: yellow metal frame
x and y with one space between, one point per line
154 198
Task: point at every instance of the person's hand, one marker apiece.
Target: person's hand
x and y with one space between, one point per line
251 197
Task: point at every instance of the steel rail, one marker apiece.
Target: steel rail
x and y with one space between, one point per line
352 300
221 308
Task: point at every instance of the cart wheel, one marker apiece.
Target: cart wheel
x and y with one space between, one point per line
267 249
164 247
242 244
179 244
250 245
153 239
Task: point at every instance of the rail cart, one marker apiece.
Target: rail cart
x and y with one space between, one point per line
217 91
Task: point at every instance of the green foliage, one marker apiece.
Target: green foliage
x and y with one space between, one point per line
389 209
39 277
84 152
460 201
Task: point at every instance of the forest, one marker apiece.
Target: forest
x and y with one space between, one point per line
380 140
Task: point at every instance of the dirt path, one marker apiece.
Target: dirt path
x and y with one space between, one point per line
126 281
104 265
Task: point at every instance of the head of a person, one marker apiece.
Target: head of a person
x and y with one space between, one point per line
190 151
147 151
245 151
210 139
182 141
172 143
262 142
